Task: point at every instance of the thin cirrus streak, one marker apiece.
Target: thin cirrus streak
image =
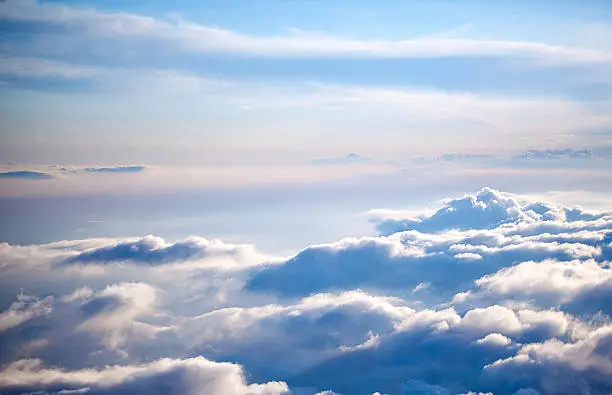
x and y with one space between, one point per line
200 38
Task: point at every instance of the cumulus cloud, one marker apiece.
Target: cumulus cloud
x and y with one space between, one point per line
485 210
449 249
490 294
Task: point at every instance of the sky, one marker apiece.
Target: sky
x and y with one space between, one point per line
278 82
305 197
276 97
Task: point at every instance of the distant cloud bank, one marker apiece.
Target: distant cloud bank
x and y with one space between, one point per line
26 175
115 169
556 154
54 171
351 158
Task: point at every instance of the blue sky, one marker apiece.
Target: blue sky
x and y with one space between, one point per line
243 82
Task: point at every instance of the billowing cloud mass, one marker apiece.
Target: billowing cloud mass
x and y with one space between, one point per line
488 294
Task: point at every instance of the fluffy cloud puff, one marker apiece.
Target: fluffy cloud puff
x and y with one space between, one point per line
490 294
485 210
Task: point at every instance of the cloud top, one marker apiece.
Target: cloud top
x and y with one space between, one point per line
492 293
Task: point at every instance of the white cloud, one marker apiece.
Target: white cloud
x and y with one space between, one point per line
448 249
372 341
580 285
495 339
23 309
468 256
79 294
114 312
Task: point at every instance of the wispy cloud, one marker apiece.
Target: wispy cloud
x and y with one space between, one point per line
206 39
38 67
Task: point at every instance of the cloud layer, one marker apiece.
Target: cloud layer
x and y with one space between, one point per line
488 294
